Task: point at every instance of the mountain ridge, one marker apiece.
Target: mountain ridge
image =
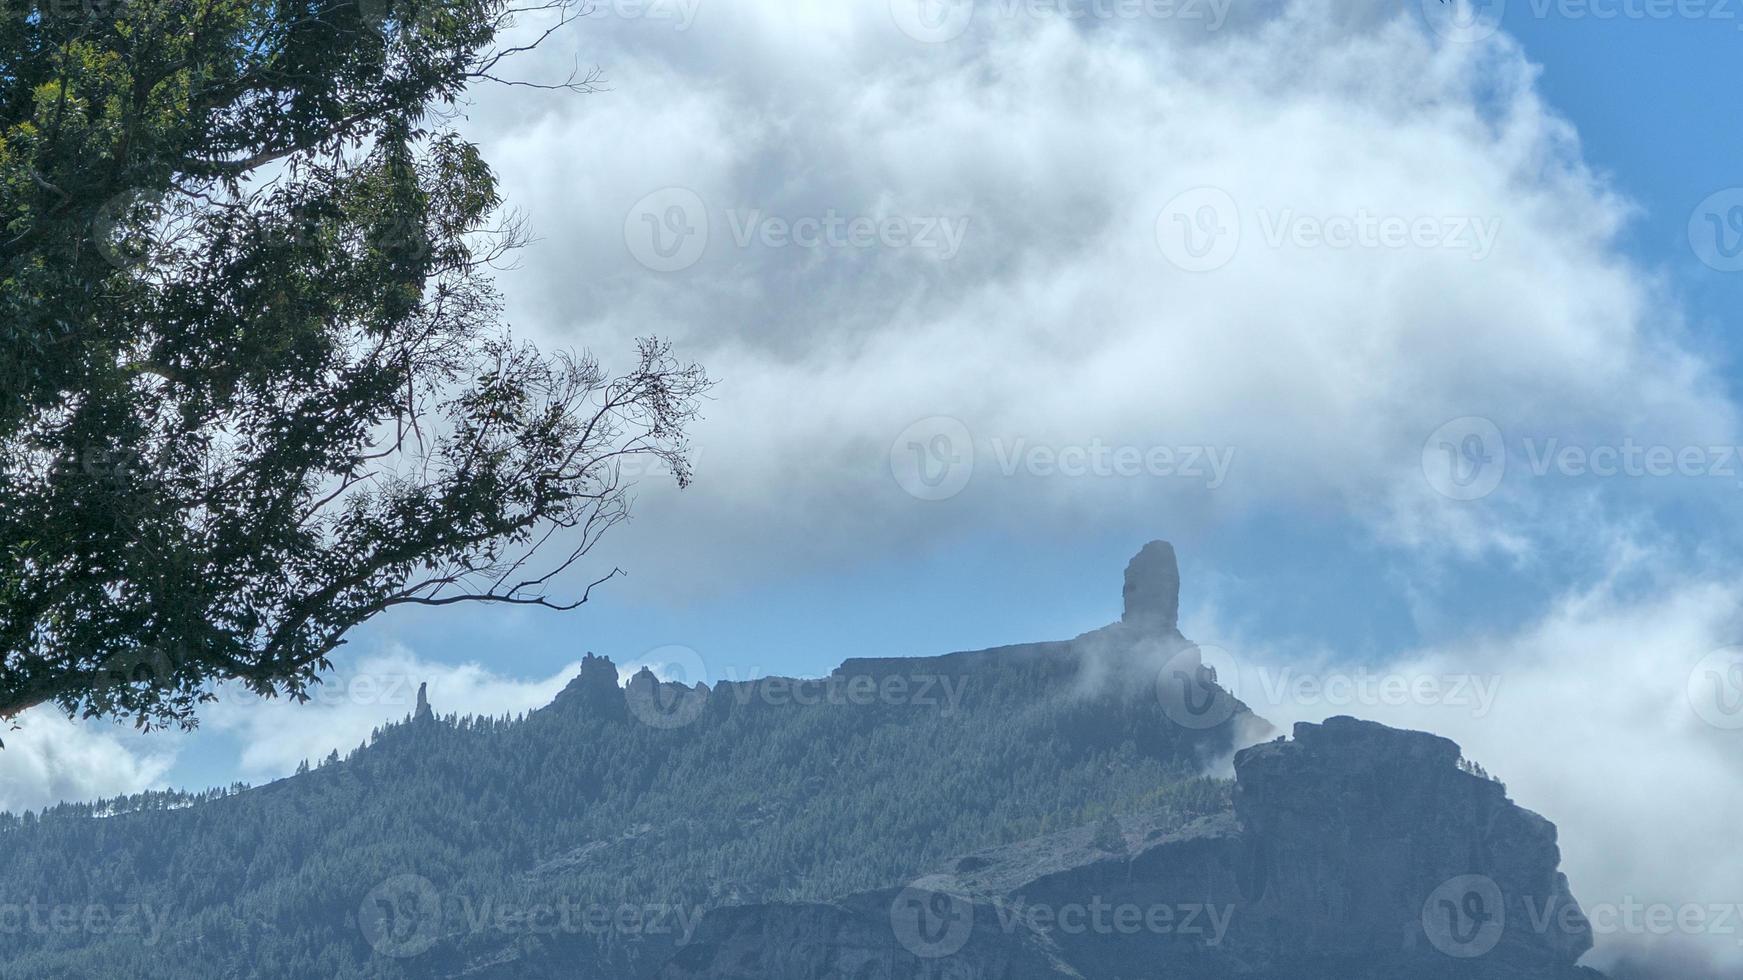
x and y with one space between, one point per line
794 810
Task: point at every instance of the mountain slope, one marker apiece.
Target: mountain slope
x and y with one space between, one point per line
548 846
1352 852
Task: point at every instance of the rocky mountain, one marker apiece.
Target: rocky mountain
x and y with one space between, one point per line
1030 811
1351 851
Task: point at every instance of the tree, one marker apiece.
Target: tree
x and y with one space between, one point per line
255 388
1108 836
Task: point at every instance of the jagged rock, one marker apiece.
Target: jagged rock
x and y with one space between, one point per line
1152 589
1148 627
664 704
594 692
423 712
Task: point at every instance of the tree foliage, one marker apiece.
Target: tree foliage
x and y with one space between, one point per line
255 387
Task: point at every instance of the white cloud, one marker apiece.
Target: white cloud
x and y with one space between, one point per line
360 696
1586 714
1062 323
49 759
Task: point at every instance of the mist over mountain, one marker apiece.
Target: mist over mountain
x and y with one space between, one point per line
1040 810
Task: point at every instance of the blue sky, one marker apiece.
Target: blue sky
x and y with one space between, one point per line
1649 98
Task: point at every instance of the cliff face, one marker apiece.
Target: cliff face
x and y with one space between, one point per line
1352 851
1361 838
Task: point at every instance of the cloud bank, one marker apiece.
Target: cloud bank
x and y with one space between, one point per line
49 759
1046 271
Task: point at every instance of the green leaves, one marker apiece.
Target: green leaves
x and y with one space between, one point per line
256 388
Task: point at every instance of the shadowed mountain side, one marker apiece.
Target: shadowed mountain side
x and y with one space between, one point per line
1344 850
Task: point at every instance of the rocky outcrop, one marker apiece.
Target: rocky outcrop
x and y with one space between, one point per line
1152 589
1358 838
1352 851
1144 638
594 692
